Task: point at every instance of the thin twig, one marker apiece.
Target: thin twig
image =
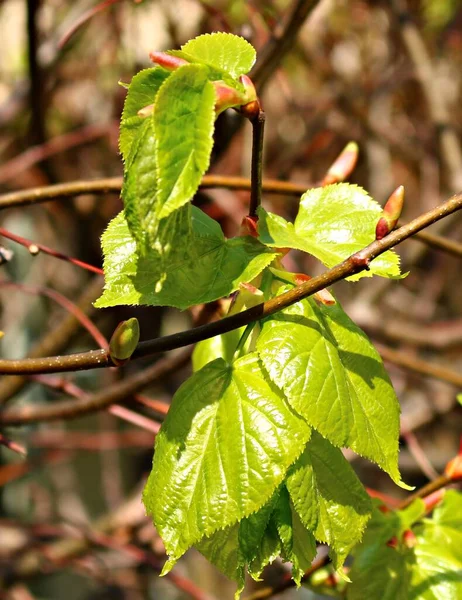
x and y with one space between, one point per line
258 129
35 247
419 366
281 42
113 394
56 340
354 264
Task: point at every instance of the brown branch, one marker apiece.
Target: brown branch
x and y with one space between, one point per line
419 366
281 42
113 394
56 340
431 487
73 189
354 264
434 93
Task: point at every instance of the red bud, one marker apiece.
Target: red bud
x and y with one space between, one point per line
391 213
249 227
409 539
343 165
454 467
167 61
393 542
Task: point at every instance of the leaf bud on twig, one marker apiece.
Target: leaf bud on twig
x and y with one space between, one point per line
343 165
124 341
391 213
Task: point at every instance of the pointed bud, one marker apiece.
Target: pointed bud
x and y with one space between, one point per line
146 111
167 61
228 96
343 165
391 213
249 227
454 467
409 539
247 297
124 341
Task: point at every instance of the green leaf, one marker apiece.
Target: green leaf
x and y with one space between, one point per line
334 377
185 266
224 51
437 570
431 570
222 550
329 497
139 190
220 346
333 223
184 115
223 449
142 92
298 545
380 571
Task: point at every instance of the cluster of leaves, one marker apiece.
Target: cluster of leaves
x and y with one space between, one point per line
404 556
248 463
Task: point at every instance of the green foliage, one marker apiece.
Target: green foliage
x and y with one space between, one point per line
190 263
183 123
334 377
332 223
329 497
223 51
428 569
221 453
248 464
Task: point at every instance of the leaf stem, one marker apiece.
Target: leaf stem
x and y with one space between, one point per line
258 128
244 337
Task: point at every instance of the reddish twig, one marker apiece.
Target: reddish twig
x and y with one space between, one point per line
36 154
67 304
84 18
34 248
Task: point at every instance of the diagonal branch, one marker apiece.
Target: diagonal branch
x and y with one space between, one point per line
354 264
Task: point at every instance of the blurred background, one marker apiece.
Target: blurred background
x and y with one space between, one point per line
386 74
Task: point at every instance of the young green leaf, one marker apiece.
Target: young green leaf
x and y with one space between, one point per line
298 545
431 570
184 267
139 190
223 449
184 115
142 92
437 570
223 51
333 222
329 497
220 346
334 377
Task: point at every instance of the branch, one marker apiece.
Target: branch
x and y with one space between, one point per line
56 340
281 42
258 127
417 365
113 394
354 264
113 185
